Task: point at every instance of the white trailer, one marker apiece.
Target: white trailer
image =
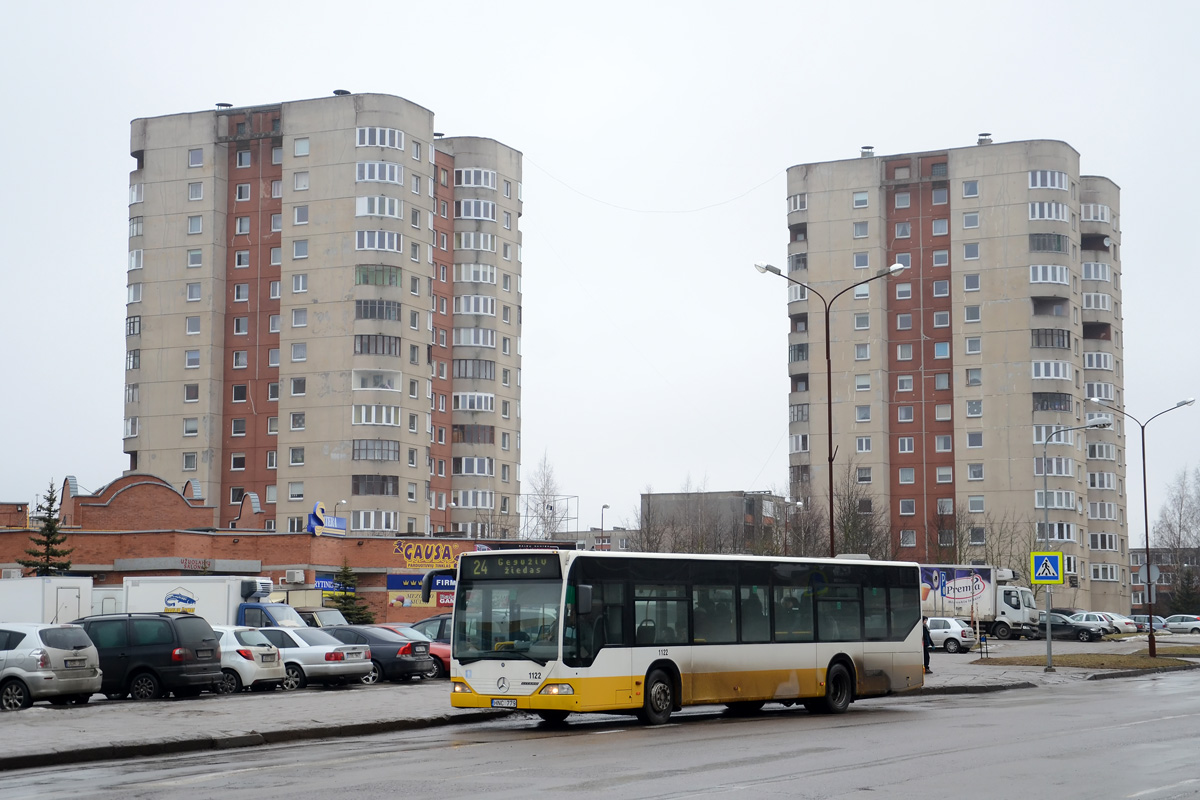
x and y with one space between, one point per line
45 599
220 599
108 600
985 595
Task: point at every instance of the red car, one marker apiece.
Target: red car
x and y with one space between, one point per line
439 650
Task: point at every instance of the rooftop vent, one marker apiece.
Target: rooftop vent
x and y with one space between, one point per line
340 92
868 151
224 105
985 138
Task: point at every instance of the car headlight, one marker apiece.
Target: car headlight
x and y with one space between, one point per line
557 688
460 688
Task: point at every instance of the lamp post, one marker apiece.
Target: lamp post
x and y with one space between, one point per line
1046 525
1149 589
894 269
602 519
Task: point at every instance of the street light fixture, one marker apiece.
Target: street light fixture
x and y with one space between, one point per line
602 518
894 269
1095 424
1145 504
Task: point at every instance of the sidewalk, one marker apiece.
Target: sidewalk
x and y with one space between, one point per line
47 735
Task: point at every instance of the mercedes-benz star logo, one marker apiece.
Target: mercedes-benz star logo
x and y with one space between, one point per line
502 685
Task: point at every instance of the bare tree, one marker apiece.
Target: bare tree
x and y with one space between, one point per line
1177 528
549 513
859 528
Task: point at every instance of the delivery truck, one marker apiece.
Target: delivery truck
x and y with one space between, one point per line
220 599
46 599
985 596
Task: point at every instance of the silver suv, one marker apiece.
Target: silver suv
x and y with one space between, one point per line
58 663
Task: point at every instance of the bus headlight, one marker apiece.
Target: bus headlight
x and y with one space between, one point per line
557 688
460 688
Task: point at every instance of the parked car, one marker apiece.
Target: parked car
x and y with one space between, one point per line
1124 624
58 663
1183 623
318 617
436 627
248 660
952 634
440 651
150 655
393 657
1065 628
312 655
1095 618
1144 621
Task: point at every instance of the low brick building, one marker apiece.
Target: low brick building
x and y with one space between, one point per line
140 525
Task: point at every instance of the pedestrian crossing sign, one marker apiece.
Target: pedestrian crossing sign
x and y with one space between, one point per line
1046 567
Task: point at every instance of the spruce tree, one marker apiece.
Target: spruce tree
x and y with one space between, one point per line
48 557
347 601
1185 599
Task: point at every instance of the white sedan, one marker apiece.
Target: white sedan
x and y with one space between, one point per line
312 655
1183 623
248 660
952 634
1123 623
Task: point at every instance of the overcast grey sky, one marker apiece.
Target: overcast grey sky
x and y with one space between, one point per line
656 136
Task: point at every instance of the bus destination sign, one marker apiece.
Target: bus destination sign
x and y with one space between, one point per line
499 566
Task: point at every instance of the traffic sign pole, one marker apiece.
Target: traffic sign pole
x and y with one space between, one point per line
1047 568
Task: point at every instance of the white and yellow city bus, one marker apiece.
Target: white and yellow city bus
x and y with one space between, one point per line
561 632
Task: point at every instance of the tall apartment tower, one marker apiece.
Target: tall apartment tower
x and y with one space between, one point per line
324 305
948 377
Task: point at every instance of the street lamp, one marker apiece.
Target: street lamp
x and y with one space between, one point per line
602 518
1046 524
1145 504
894 269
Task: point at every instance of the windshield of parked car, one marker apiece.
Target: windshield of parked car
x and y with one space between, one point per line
316 636
65 638
507 619
251 638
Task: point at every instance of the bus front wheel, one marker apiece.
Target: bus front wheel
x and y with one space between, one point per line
659 699
839 691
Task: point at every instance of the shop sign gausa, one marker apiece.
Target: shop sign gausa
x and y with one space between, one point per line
426 555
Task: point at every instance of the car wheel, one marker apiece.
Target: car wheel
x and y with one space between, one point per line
1085 636
294 679
144 686
553 717
839 691
438 671
230 682
372 677
14 696
1194 630
952 645
1001 631
659 699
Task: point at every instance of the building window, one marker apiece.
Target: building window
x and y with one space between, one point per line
862 260
191 426
195 224
191 359
971 282
971 251
941 319
941 196
862 321
298 386
862 413
904 413
942 443
975 439
196 157
301 147
971 219
941 227
970 189
195 258
863 444
300 317
903 322
908 508
904 291
941 349
973 345
941 288
903 200
904 383
860 230
906 444
296 491
907 475
974 472
241 192
189 462
903 230
297 420
974 377
974 408
862 351
945 474
941 411
243 158
237 427
941 258
904 352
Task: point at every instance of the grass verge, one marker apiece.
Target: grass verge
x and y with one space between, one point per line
1192 651
1091 661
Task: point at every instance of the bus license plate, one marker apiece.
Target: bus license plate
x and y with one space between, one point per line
504 702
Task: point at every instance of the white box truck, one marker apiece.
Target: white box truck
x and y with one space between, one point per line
983 595
220 599
45 599
108 600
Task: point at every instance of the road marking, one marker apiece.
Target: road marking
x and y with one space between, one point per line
1158 789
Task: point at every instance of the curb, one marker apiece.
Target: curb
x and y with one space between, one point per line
1134 673
113 752
981 688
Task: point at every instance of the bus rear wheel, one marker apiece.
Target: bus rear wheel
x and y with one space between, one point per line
659 699
839 691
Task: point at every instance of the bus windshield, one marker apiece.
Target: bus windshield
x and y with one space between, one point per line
497 619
